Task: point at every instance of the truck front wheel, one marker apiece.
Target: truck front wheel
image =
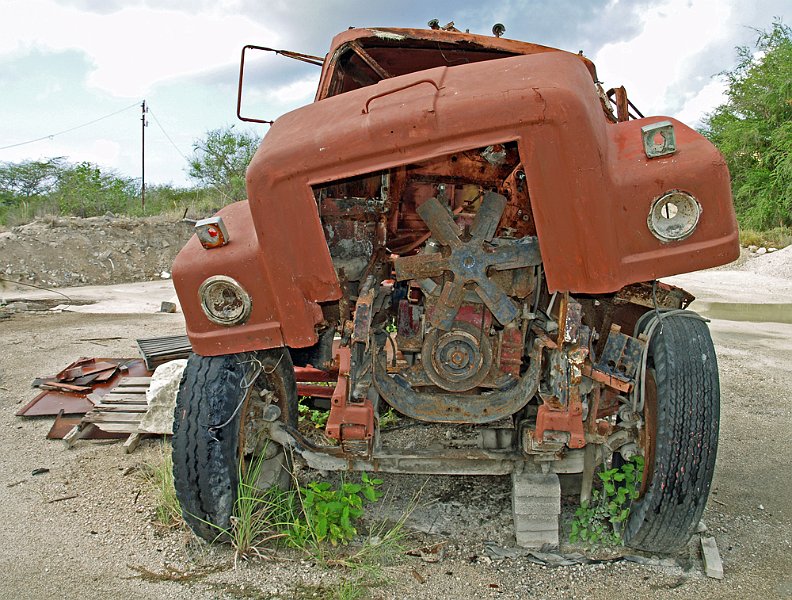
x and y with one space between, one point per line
681 415
217 432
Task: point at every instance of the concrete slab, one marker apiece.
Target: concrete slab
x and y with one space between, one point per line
122 298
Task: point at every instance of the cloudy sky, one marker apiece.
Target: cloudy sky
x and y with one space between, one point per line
65 63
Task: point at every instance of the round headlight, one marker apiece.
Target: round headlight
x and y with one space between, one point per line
674 216
224 301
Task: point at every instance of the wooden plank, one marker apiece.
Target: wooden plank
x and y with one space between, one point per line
134 381
115 398
111 408
120 417
77 432
132 442
713 566
118 427
130 390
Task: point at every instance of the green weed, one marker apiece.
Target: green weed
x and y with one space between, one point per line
329 514
388 419
315 416
600 521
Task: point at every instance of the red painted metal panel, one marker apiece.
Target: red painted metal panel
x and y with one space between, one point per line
591 187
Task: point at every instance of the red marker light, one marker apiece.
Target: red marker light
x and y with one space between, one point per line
212 232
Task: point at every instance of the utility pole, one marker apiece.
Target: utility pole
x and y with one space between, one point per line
143 125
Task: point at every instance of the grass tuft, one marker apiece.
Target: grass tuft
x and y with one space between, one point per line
159 477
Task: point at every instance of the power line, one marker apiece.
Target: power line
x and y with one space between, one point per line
165 133
52 135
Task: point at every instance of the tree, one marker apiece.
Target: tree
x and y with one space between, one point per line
220 160
29 179
85 190
753 129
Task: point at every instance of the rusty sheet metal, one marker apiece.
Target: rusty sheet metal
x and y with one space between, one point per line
50 402
661 294
63 424
83 370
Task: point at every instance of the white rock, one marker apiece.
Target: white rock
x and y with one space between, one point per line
761 251
161 398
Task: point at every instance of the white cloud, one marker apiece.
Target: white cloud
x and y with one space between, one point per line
658 61
133 48
708 98
104 152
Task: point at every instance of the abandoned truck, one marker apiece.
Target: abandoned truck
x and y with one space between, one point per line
467 230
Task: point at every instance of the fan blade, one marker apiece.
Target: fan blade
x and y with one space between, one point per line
420 266
447 305
496 300
440 222
489 215
523 253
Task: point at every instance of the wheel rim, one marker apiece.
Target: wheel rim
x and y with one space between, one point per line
649 431
265 390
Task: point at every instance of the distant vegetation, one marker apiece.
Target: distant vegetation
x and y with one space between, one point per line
753 129
55 186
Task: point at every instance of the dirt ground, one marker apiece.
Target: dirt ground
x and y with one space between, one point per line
102 541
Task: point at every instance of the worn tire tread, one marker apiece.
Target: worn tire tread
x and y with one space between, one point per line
205 463
688 413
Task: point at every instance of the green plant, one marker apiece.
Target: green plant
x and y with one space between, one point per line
329 514
388 419
159 476
315 416
600 520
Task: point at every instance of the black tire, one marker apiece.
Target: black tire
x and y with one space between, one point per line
682 412
212 427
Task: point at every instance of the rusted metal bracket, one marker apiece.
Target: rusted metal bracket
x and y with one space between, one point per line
367 58
620 358
348 420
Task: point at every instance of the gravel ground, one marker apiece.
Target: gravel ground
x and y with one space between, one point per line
103 543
